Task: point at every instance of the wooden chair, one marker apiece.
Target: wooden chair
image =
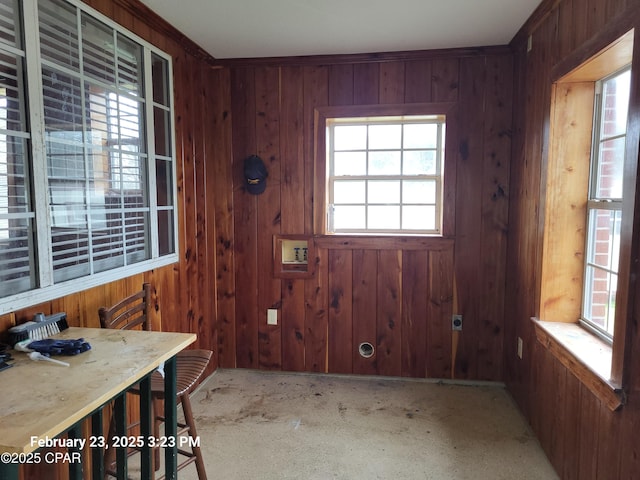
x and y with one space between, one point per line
132 312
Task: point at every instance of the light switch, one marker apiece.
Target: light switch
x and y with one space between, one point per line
272 316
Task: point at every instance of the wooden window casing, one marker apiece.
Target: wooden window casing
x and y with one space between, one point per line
566 178
321 195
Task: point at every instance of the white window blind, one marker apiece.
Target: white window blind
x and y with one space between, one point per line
100 142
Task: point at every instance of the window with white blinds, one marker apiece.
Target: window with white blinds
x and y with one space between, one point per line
87 170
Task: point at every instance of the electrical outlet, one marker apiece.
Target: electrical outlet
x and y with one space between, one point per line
520 348
272 316
456 322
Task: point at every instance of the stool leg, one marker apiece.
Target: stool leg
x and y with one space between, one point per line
188 417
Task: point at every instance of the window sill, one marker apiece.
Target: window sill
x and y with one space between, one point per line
382 242
585 355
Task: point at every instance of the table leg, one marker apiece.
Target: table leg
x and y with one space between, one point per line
9 471
97 453
75 467
146 464
120 414
170 420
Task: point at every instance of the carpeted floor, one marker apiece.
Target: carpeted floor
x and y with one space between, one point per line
263 426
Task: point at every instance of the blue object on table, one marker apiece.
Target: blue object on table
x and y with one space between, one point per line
53 346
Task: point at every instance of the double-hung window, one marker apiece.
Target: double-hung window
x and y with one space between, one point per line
604 205
385 174
87 170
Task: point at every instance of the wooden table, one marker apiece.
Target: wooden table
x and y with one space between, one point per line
40 400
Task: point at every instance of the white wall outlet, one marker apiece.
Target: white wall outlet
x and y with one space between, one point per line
520 348
272 316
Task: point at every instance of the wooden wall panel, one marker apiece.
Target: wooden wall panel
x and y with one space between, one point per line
340 311
267 120
389 312
583 438
417 81
365 328
221 197
243 99
316 319
415 297
363 293
439 310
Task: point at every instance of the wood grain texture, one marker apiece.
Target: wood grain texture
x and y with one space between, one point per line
340 311
268 214
389 312
595 442
330 302
365 327
415 318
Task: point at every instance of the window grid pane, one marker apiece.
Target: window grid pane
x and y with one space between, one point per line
604 206
400 190
17 219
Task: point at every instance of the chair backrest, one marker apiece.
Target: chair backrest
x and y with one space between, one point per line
129 312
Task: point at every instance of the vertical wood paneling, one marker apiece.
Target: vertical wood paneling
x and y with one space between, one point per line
363 299
609 444
220 171
565 35
589 425
415 296
340 311
439 311
469 221
392 82
267 82
317 315
293 315
292 210
341 84
365 268
494 211
366 81
316 93
202 292
571 429
417 81
389 312
444 80
245 220
582 437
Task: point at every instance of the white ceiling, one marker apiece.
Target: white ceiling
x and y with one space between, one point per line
275 28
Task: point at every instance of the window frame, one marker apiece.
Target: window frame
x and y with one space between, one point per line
321 183
46 288
595 203
601 367
368 178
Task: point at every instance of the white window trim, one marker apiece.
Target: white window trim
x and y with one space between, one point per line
47 290
437 119
595 203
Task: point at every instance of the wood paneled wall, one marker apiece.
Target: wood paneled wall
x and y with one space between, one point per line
582 437
381 291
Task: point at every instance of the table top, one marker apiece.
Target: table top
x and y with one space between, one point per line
44 399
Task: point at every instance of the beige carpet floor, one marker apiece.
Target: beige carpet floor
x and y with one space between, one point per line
255 425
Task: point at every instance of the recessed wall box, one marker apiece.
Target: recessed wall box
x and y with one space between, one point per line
293 256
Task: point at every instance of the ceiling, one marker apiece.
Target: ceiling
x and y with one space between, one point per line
277 28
